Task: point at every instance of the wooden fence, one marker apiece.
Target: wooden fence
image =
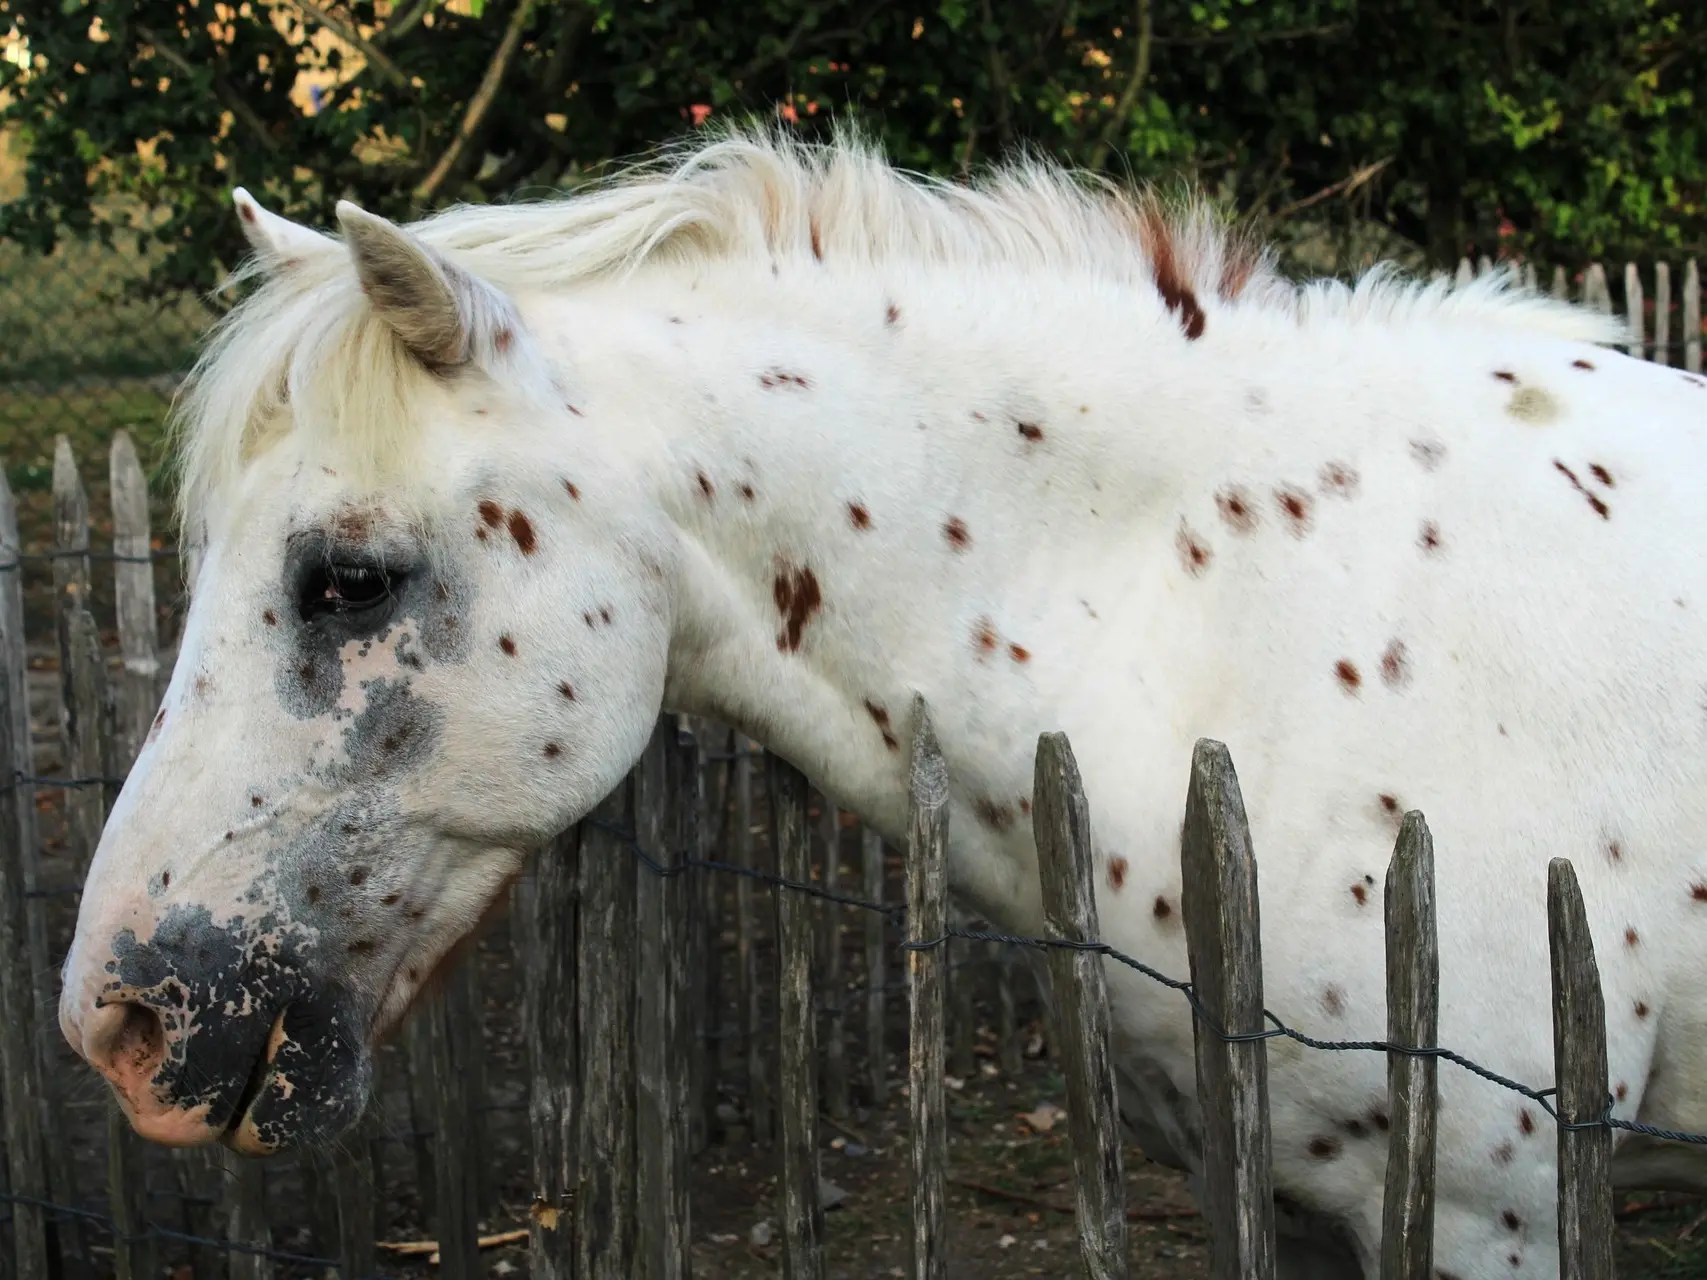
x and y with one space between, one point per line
637 1018
1659 329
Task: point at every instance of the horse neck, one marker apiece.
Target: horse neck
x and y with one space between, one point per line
885 487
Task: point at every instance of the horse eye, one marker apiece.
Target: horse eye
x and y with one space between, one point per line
343 589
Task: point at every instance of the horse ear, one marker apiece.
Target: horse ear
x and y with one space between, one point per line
430 303
277 241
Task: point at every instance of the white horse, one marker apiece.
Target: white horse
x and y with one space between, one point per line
782 437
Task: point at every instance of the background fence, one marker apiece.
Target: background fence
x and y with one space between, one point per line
508 1089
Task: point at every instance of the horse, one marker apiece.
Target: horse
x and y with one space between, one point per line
770 432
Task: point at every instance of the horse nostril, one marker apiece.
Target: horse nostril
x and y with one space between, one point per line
127 1044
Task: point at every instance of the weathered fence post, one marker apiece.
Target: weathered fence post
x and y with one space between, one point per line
95 745
876 970
1579 1068
697 954
14 669
801 1211
355 1185
449 1039
834 994
751 987
1413 1015
133 598
1634 314
245 1197
1008 1047
1692 317
661 1017
1061 821
548 907
1595 292
1223 935
1662 313
960 966
605 1244
1561 285
20 1063
927 927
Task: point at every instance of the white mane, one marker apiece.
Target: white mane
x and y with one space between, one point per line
307 338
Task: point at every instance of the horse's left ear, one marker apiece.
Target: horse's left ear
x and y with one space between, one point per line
437 309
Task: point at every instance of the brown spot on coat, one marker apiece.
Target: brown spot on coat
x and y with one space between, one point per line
1345 671
1031 431
817 238
255 802
521 529
1360 895
1622 1091
1698 892
1333 1000
571 490
1526 1120
891 314
507 645
1581 364
1505 375
1600 508
984 637
1428 537
1337 478
1295 506
270 618
859 516
797 599
1236 508
1631 937
1019 653
880 716
1503 1153
553 750
1601 474
491 513
1641 1008
1511 1220
1323 1147
783 378
567 690
1194 552
1117 873
996 816
746 492
955 531
1395 665
1161 908
707 490
1615 851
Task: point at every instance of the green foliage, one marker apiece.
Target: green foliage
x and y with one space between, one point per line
1547 127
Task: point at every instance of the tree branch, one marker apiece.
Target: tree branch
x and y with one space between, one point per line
1345 186
1267 37
347 32
474 117
227 97
396 27
1128 95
